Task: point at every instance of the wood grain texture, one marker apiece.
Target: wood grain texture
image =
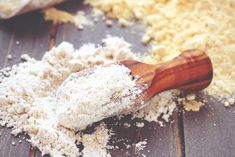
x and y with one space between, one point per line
31 35
6 37
27 34
11 146
211 131
191 70
125 138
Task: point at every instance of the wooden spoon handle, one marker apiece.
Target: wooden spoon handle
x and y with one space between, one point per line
192 70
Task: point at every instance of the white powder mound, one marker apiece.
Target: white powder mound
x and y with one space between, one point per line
28 97
90 96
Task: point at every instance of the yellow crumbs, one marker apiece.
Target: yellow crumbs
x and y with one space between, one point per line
60 17
57 16
193 105
176 25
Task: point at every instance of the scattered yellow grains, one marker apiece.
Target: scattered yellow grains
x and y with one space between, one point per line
123 22
190 97
109 23
57 16
177 25
146 39
192 105
229 102
138 14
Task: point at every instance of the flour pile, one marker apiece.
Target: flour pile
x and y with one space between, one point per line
28 97
95 94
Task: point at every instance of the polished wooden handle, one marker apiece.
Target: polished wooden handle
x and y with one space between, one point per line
192 70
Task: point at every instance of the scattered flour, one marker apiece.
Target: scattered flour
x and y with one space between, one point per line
140 145
28 97
9 57
126 125
159 107
139 124
13 143
25 57
95 144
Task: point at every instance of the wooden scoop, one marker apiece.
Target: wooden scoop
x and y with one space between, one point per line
192 70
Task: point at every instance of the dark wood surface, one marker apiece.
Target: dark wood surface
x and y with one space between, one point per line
208 133
26 34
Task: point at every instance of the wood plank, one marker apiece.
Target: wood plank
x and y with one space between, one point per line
11 146
5 39
125 139
97 32
31 35
25 34
161 141
210 132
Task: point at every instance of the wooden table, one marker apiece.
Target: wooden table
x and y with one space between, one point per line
208 133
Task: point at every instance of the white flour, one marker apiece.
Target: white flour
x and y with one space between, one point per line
102 93
140 145
28 98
